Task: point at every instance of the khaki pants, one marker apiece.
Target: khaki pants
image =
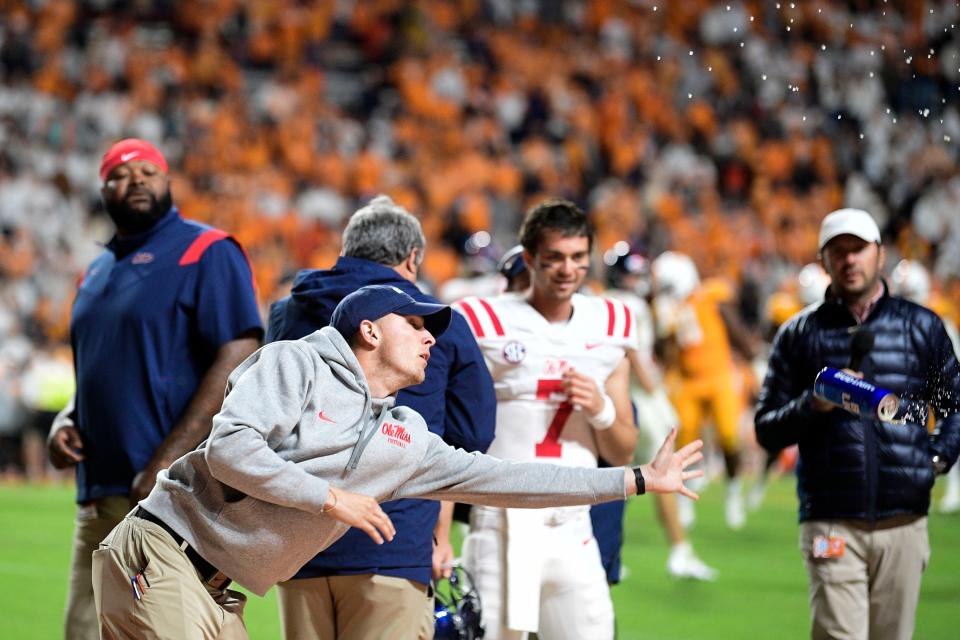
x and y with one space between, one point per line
93 522
361 607
872 590
173 602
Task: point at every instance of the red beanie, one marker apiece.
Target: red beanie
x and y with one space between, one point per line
127 150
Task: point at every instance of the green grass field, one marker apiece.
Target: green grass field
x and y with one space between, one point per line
761 592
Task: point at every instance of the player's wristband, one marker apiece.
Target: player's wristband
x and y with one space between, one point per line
641 483
606 417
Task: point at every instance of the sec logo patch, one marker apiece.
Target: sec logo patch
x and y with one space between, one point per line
514 352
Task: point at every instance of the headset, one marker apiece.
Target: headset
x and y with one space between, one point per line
457 607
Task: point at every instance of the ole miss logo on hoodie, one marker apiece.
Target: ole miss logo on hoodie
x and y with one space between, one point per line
396 434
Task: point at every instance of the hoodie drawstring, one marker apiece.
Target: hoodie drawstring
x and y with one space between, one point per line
366 435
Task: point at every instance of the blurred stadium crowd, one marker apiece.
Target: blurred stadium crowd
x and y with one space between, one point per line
723 130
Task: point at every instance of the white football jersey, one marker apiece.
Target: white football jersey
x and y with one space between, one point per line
527 356
643 318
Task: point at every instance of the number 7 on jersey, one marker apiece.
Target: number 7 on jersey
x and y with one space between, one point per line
550 446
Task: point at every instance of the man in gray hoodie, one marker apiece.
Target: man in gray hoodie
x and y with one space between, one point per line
307 444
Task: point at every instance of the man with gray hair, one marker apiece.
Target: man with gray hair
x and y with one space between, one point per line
358 589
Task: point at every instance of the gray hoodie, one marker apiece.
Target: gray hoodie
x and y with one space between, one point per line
298 418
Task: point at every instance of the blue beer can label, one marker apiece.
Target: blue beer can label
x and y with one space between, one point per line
859 397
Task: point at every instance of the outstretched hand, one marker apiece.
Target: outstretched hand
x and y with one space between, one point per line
668 470
360 511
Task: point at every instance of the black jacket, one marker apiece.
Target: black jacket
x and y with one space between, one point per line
860 468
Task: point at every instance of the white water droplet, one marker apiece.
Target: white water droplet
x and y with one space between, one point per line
823 47
946 138
764 76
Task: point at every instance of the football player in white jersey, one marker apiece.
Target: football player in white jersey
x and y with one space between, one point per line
627 279
562 383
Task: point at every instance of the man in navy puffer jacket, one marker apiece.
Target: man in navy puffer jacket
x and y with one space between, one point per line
864 485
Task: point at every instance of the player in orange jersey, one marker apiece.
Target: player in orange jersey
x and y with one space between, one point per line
701 330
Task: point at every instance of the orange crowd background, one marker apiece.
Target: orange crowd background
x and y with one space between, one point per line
722 130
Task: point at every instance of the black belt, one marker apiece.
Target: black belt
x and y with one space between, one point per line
208 573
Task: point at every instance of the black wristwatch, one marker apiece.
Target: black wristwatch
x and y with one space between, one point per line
641 483
939 464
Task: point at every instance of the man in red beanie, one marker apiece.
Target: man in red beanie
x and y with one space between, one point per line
135 208
160 319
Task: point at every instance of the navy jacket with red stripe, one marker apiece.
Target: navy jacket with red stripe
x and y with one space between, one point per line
150 314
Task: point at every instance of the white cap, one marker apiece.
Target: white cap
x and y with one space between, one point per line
855 222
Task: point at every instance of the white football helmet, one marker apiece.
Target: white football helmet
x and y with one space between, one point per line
813 282
911 280
675 275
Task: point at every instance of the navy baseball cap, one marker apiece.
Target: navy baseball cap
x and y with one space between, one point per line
377 300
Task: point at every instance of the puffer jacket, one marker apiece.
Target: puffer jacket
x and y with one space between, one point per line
861 468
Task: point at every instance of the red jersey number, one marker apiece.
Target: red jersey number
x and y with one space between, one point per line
550 446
